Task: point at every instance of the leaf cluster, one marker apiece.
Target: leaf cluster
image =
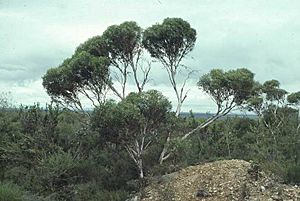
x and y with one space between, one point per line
124 121
234 86
170 41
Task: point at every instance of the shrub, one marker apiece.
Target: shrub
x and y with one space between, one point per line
293 174
91 191
10 192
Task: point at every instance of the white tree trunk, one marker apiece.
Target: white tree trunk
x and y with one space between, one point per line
178 109
164 154
140 166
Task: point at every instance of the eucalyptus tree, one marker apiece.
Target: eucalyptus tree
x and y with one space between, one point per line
268 99
80 75
229 90
272 102
169 43
278 122
125 51
134 123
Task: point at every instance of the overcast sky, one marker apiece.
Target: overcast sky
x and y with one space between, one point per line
261 35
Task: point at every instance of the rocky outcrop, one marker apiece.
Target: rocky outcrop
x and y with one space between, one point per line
222 180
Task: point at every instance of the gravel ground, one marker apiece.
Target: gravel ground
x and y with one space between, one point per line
222 180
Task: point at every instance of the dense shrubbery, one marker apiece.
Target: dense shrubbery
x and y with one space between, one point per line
47 154
50 153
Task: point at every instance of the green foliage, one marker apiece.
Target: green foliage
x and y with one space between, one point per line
57 175
153 105
69 161
294 98
133 124
82 74
59 163
112 121
10 192
53 79
95 46
49 152
34 129
234 85
87 71
266 96
92 193
272 90
293 174
5 101
123 41
122 122
170 41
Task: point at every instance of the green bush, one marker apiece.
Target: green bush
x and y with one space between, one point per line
293 174
57 174
90 191
118 195
10 192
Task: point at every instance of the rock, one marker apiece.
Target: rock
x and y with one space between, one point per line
254 171
262 188
134 198
269 183
202 193
276 197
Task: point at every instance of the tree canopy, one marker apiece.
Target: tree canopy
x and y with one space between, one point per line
228 90
82 74
169 43
294 98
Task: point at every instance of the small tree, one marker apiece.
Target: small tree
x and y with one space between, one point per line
294 100
133 123
267 100
229 90
278 122
169 43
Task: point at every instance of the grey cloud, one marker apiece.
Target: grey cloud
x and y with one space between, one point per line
11 67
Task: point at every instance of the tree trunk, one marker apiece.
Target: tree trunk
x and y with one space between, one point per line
178 109
140 166
163 155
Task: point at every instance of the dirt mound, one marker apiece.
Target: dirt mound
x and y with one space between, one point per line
221 180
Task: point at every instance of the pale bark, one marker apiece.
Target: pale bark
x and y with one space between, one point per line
165 154
136 151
